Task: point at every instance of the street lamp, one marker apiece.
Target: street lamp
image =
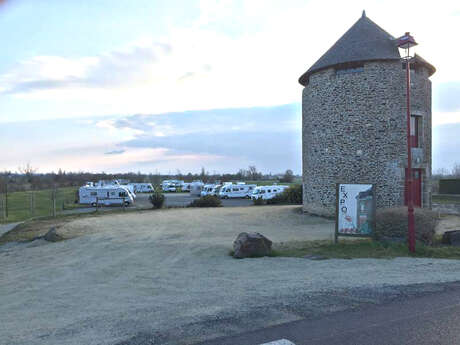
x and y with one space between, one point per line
406 42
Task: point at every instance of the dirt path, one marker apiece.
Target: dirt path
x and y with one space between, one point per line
165 277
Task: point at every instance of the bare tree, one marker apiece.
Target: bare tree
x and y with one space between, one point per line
456 170
253 174
288 176
27 169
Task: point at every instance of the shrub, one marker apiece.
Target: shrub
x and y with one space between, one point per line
294 194
206 201
291 195
258 201
392 223
157 199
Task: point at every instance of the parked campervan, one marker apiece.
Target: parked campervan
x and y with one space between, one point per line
207 189
168 187
236 191
210 189
267 192
216 189
113 183
142 187
186 187
107 195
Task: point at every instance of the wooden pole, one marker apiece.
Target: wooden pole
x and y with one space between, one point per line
30 204
6 200
54 202
2 207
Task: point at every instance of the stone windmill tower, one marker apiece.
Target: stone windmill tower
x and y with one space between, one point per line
354 120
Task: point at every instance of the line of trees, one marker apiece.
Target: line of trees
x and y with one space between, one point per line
445 173
28 177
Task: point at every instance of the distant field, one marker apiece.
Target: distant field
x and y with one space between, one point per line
445 199
25 205
271 182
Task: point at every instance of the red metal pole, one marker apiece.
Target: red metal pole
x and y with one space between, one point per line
410 202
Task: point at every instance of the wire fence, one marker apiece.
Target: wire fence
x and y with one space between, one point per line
19 206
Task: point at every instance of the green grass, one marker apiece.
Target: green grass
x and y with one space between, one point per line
354 249
445 199
19 204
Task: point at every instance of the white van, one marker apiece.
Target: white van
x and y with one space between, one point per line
267 192
142 187
236 191
210 189
216 189
108 195
113 183
207 189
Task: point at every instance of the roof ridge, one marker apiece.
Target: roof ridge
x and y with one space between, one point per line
363 41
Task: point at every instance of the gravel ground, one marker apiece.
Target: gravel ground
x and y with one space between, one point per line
4 228
165 277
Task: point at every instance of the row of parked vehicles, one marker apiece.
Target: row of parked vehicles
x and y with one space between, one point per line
111 192
115 193
242 190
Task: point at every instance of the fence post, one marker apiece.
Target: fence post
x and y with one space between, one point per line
31 203
54 202
6 201
2 207
97 203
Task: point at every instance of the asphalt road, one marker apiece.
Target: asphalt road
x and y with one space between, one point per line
433 318
172 200
183 199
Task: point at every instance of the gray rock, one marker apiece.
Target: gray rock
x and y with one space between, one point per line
315 257
52 236
249 245
452 238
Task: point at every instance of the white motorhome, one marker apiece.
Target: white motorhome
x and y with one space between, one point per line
186 187
210 189
114 183
267 192
142 187
216 189
236 191
106 195
207 189
168 187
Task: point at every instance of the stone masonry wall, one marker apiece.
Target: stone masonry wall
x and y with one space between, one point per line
354 131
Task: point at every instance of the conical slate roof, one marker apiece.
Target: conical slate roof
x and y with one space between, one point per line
364 41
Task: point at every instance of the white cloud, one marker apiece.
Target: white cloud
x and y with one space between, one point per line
212 64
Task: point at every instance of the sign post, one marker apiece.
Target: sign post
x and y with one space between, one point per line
355 210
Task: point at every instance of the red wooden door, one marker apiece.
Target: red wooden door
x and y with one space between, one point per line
414 131
416 188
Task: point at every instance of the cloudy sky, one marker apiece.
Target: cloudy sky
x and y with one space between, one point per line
124 85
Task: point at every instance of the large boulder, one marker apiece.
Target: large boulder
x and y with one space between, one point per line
249 245
451 238
52 236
